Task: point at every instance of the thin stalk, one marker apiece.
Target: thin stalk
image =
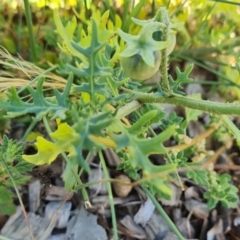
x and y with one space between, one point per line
187 44
37 78
183 101
78 180
176 172
195 140
84 192
19 33
179 9
127 109
163 214
110 196
205 66
151 176
20 199
231 127
29 129
48 230
90 154
30 31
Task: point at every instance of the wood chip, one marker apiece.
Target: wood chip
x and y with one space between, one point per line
197 208
215 231
144 213
16 227
136 230
57 193
100 188
58 213
84 226
156 227
34 191
185 228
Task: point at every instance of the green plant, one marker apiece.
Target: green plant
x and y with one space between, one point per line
12 172
104 96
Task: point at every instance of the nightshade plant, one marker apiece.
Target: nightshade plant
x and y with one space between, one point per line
102 107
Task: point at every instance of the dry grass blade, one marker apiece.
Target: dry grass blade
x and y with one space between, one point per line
20 73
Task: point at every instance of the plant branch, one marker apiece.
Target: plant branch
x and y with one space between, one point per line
127 109
231 127
163 214
162 16
110 196
178 100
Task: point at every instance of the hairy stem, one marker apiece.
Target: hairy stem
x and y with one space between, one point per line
183 101
231 127
162 16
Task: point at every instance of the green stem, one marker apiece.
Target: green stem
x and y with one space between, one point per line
30 31
178 100
127 109
78 180
111 202
84 192
168 157
29 129
19 198
111 87
163 214
90 154
19 32
231 127
162 16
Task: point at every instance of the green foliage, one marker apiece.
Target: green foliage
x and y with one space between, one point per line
140 149
143 123
182 78
179 159
199 176
218 188
6 201
40 105
127 167
11 162
172 119
100 109
4 122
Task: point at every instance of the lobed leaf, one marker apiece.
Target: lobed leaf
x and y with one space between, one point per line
140 149
182 78
40 106
48 151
